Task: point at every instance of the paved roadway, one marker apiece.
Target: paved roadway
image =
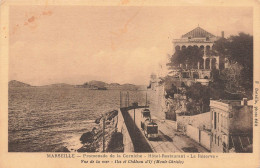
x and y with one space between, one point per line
169 139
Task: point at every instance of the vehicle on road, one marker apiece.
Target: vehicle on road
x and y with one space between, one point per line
150 129
145 114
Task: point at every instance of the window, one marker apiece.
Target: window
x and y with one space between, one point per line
226 122
146 114
221 120
152 129
218 121
215 120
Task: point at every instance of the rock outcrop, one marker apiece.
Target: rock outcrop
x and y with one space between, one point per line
92 141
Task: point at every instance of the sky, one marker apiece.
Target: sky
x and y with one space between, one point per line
76 44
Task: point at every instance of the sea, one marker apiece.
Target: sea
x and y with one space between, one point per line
46 119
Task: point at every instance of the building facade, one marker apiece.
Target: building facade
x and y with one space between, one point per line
205 41
231 126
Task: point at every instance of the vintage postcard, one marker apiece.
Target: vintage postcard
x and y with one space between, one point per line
129 83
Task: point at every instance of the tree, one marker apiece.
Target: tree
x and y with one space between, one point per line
241 51
190 56
238 50
233 77
170 91
200 96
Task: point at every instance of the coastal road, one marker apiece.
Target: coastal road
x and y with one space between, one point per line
169 139
163 144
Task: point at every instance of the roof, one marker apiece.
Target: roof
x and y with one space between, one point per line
198 33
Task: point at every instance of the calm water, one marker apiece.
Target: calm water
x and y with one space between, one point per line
45 119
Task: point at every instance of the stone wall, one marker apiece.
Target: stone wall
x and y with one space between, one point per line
156 102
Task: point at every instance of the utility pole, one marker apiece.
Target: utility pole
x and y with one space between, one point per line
127 99
134 115
134 123
146 99
120 100
104 127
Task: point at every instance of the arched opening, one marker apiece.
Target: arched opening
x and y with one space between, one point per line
207 49
202 49
201 64
177 48
213 63
183 47
213 50
196 75
207 63
185 75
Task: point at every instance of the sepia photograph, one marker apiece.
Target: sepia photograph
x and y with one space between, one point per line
108 86
128 79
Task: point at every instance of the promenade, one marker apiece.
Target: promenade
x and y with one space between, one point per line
169 141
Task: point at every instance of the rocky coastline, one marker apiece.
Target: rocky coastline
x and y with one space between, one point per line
92 141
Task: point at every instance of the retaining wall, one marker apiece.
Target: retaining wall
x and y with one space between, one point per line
200 136
201 121
121 127
193 133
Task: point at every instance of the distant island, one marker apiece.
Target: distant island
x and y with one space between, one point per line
15 83
91 85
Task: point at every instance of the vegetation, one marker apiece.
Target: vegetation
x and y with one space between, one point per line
234 82
200 98
190 56
170 86
238 50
